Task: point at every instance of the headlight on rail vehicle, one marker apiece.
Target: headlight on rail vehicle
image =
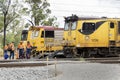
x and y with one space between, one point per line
87 37
78 45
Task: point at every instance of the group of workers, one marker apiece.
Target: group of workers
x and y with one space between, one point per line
23 51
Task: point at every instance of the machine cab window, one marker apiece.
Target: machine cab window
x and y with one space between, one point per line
74 24
88 28
35 33
24 35
111 25
47 34
119 27
66 26
70 25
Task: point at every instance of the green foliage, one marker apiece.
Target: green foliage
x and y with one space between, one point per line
1 22
50 22
11 11
11 37
27 25
9 20
39 12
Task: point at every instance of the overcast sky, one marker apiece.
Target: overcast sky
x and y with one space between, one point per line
108 8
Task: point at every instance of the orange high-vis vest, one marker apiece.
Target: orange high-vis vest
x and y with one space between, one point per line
13 47
28 46
20 46
6 47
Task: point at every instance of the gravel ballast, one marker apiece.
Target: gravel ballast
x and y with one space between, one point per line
65 71
27 73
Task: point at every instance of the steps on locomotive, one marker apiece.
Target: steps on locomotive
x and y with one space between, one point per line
112 49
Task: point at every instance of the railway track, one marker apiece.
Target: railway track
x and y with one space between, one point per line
44 62
111 60
23 63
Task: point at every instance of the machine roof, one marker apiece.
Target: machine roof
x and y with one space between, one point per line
46 28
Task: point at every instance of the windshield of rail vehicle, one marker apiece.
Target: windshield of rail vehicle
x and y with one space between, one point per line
24 35
35 33
70 25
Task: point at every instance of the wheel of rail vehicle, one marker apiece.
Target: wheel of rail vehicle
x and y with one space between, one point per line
118 52
103 52
32 54
85 54
56 54
68 52
92 53
75 52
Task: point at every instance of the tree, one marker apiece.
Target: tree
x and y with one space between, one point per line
39 12
51 22
9 14
1 22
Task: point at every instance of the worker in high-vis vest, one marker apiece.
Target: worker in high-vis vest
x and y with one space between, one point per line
12 50
6 51
28 50
21 50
